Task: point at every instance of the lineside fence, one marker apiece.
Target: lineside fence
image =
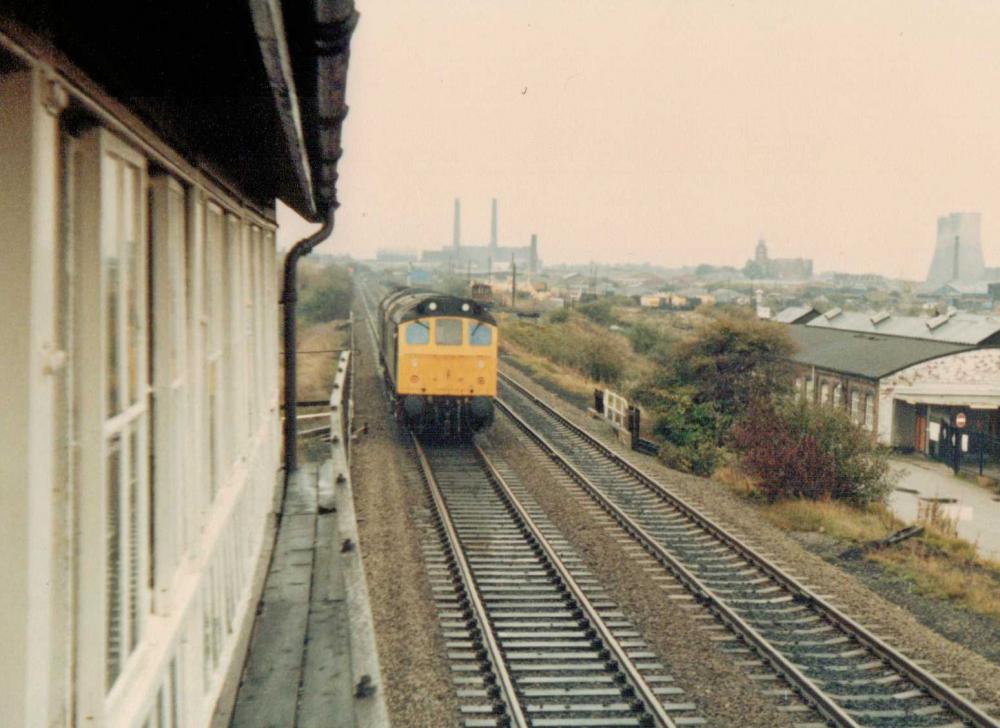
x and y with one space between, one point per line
625 418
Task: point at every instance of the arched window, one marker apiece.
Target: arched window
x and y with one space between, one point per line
870 411
810 390
838 395
855 406
824 393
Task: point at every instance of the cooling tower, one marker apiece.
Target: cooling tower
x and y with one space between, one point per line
958 255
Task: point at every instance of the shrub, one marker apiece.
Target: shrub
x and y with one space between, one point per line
576 343
643 336
797 450
688 431
600 311
559 316
600 361
325 294
700 459
733 361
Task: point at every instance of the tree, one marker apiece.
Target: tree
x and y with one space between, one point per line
732 361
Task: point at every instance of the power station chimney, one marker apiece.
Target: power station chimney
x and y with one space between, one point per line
533 255
493 226
456 236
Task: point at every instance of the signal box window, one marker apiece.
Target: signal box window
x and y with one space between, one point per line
480 334
448 332
418 333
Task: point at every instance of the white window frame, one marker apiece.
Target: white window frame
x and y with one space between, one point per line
99 158
172 475
213 300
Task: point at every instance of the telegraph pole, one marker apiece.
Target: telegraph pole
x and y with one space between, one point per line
513 284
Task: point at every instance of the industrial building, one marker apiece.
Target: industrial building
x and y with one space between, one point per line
143 153
484 258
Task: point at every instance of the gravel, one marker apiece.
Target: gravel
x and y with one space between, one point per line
867 599
411 647
724 693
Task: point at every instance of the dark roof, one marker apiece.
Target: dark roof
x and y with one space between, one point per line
409 304
251 92
865 355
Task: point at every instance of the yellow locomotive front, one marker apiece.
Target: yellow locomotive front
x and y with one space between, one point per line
447 357
440 355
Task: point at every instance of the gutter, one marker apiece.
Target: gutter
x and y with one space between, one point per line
289 298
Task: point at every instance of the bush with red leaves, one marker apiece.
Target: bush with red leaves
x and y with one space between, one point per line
813 452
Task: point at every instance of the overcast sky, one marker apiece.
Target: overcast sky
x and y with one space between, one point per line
674 132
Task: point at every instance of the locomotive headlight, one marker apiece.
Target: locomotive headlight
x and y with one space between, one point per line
432 306
480 363
413 362
465 307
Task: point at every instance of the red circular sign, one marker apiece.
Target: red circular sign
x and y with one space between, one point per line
960 419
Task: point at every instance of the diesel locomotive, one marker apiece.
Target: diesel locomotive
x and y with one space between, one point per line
439 355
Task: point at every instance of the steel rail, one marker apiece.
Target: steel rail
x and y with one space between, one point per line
506 685
795 677
961 706
614 646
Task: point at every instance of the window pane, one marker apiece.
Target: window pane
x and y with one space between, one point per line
114 639
134 516
112 263
480 334
135 284
448 332
417 333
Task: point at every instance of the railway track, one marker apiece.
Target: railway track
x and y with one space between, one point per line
532 638
848 675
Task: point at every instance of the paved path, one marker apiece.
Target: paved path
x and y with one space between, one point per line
976 509
312 642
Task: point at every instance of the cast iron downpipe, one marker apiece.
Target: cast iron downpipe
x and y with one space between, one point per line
289 296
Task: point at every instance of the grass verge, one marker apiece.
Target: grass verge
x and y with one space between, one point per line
938 564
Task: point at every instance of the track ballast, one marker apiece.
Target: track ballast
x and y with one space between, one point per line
843 671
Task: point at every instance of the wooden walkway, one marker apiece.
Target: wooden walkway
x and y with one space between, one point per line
312 662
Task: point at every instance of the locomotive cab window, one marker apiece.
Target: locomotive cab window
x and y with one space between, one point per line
418 333
448 332
480 334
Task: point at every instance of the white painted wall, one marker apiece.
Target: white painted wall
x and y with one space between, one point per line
967 374
53 474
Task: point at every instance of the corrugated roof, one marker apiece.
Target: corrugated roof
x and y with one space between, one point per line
861 354
960 328
792 314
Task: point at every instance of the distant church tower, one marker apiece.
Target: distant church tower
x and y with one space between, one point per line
958 255
760 255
